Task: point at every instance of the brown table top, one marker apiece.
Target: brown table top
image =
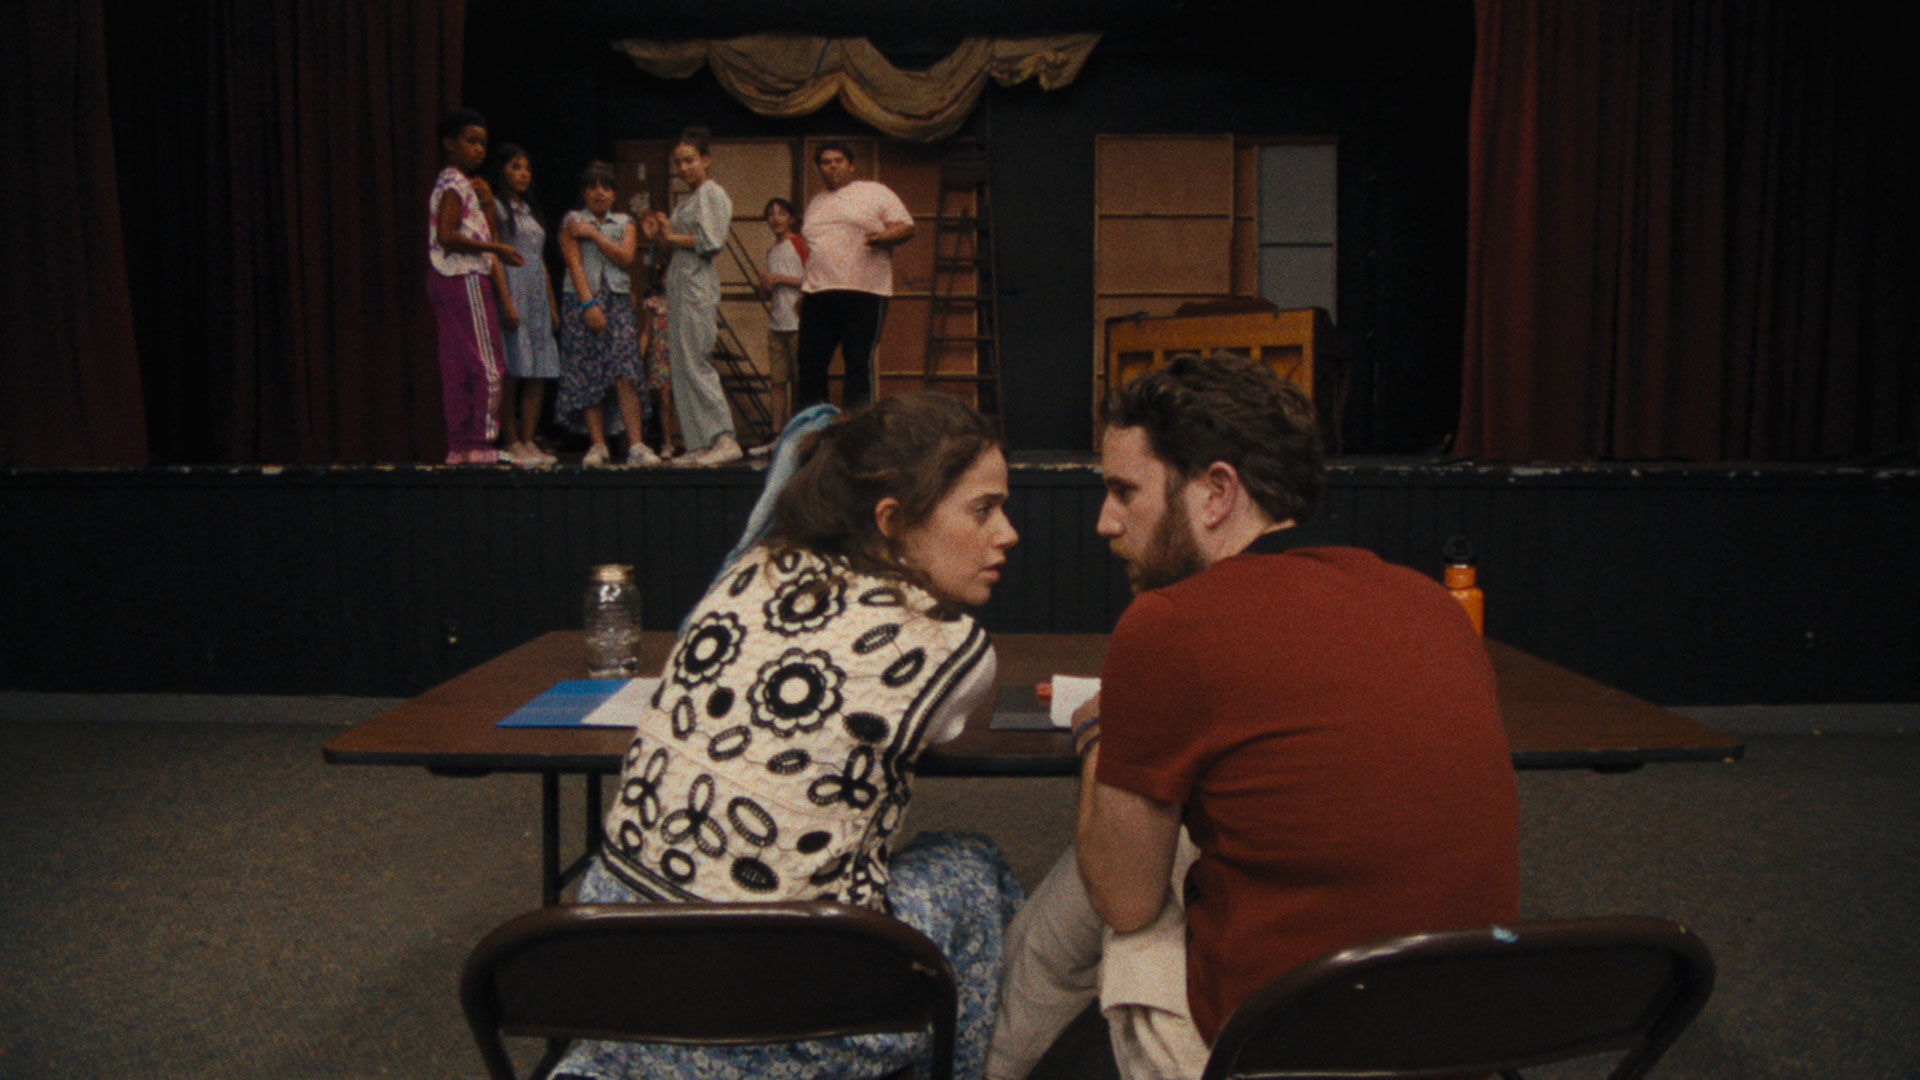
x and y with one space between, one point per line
1555 718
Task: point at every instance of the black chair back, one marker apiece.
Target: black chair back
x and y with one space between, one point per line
1470 1003
705 973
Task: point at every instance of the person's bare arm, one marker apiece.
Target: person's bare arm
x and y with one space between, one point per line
509 314
447 231
595 319
1125 841
620 252
892 236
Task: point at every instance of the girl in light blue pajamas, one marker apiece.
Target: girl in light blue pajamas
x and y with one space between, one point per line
694 234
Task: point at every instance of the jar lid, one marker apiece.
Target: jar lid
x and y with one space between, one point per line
613 572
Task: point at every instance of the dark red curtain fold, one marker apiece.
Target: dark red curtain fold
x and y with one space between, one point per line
275 161
69 373
1691 232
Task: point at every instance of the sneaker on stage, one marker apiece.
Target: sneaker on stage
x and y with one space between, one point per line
723 451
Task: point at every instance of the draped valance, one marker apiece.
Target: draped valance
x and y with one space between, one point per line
791 75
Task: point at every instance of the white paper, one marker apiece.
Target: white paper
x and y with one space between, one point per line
626 705
1069 692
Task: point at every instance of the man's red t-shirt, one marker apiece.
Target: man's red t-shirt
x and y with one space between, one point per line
1329 722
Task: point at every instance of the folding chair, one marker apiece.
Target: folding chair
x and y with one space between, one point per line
704 973
1470 1003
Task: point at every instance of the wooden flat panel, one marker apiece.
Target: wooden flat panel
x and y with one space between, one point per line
1163 255
752 171
640 174
903 340
748 321
1164 174
913 172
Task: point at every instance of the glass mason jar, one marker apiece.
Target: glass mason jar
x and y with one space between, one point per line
612 620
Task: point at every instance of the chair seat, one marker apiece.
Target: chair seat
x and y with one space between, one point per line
1469 1003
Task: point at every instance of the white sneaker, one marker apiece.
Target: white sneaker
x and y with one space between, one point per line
723 451
521 455
638 454
596 456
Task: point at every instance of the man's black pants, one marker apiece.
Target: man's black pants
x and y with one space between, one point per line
845 319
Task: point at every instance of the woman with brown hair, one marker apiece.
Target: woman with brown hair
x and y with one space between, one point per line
776 762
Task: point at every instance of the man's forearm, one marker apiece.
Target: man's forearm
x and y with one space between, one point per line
892 235
1125 844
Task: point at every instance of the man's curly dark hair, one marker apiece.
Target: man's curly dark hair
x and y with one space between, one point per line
1197 410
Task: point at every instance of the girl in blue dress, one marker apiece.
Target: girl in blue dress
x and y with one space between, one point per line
530 315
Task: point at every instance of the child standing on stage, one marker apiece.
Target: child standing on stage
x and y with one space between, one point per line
657 394
696 232
599 350
786 271
460 250
529 312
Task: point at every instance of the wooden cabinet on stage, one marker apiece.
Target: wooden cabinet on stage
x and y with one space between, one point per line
1301 346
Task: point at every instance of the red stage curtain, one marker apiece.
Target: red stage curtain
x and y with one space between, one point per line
69 375
274 165
1691 232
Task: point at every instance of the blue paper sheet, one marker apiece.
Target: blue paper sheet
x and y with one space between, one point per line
566 704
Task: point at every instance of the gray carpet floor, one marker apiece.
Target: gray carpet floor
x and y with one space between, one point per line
208 899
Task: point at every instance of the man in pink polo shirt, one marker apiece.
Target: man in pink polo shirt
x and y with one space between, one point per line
851 230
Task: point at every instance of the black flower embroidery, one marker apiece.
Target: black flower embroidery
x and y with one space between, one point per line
805 603
796 692
712 643
730 743
850 785
868 880
642 790
752 822
741 580
877 638
629 840
904 670
893 810
682 718
754 875
695 822
788 762
677 865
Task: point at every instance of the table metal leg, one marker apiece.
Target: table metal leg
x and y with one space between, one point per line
592 833
549 838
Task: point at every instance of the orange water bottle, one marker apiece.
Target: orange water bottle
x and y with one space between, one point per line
1459 581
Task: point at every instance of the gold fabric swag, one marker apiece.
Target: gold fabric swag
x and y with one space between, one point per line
791 75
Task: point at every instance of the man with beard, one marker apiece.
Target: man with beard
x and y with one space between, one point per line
1301 745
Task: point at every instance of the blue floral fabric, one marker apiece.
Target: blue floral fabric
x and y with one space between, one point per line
953 887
